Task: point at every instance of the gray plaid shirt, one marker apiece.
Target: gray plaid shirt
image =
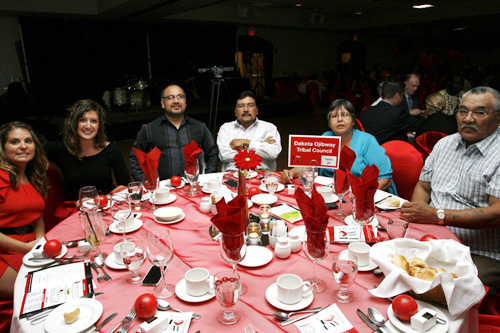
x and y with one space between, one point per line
463 179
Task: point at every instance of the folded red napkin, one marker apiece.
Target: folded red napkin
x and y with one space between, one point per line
347 158
191 151
314 213
363 189
148 162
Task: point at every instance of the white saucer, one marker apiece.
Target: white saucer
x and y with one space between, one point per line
299 231
405 326
264 199
252 174
111 263
172 198
370 267
113 227
272 298
334 198
257 256
349 220
180 218
91 205
180 291
166 183
206 190
281 187
36 263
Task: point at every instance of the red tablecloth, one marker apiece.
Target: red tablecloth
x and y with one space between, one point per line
195 248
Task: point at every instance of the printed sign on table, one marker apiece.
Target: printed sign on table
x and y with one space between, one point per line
302 149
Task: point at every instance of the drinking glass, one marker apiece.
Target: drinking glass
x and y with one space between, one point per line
135 190
397 228
89 199
316 247
120 210
132 252
363 211
271 181
307 175
151 182
227 291
233 250
94 230
341 191
345 269
160 250
192 171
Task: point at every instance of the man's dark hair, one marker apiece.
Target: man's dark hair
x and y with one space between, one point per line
245 93
169 85
392 87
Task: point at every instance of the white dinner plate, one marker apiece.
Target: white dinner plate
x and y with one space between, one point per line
379 195
111 263
264 199
299 231
90 205
349 220
405 326
171 199
166 183
36 263
180 218
180 291
251 174
257 256
272 298
113 227
281 187
120 196
90 312
370 267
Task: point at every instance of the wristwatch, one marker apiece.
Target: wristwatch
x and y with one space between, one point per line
441 216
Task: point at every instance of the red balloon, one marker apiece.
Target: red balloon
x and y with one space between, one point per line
253 191
175 181
145 306
52 248
103 201
427 237
404 307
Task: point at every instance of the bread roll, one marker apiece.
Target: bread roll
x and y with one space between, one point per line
401 262
417 262
71 317
427 274
392 202
414 271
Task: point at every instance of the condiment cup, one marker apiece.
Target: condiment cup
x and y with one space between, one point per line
198 281
167 214
326 192
361 251
162 194
291 288
214 184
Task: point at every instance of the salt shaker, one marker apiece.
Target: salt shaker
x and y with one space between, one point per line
205 205
282 248
295 243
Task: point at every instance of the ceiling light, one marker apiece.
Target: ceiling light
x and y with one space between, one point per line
298 5
359 13
424 6
459 29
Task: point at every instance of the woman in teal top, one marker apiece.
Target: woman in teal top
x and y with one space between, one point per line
342 121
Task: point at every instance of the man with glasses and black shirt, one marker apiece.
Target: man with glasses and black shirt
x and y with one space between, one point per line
460 183
170 133
249 132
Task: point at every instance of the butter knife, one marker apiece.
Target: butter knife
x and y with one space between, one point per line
368 322
377 202
107 320
289 321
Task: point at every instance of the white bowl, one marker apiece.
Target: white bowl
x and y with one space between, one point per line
167 213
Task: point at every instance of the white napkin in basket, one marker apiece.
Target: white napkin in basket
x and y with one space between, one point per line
461 293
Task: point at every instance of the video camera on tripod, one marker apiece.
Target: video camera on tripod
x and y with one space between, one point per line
216 70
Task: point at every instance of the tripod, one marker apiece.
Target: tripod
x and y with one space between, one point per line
214 101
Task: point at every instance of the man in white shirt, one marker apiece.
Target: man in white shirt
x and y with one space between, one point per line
247 131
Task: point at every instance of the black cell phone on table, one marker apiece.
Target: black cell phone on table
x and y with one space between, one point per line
231 183
152 277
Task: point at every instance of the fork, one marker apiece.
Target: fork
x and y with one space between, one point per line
126 322
249 329
100 277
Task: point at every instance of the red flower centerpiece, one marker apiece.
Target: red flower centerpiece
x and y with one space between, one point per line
245 160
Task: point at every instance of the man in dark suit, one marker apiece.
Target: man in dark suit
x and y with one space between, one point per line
386 120
410 100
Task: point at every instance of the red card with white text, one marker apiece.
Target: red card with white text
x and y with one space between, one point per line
302 149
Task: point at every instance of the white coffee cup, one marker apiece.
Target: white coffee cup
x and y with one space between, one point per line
117 250
128 223
291 288
198 281
213 184
361 251
162 194
326 192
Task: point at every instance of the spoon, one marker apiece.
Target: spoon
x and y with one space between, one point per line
164 306
284 316
377 318
100 263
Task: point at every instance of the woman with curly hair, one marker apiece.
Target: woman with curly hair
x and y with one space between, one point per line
86 157
23 186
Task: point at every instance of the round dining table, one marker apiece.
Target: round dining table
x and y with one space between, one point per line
194 247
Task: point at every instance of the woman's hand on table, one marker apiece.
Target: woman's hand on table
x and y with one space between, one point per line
419 212
288 175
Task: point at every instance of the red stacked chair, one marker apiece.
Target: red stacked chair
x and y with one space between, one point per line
426 141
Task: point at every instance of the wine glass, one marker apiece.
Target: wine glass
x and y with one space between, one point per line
271 181
132 252
135 190
160 250
345 269
121 210
341 190
227 287
233 250
192 171
307 175
151 182
89 199
94 230
316 246
397 228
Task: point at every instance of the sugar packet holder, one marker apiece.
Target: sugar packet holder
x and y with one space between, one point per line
348 234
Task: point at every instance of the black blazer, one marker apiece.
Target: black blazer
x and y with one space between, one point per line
404 103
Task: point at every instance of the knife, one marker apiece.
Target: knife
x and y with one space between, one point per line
377 202
289 321
107 320
368 322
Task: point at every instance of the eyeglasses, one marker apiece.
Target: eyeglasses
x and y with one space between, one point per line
170 97
475 114
249 105
340 115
